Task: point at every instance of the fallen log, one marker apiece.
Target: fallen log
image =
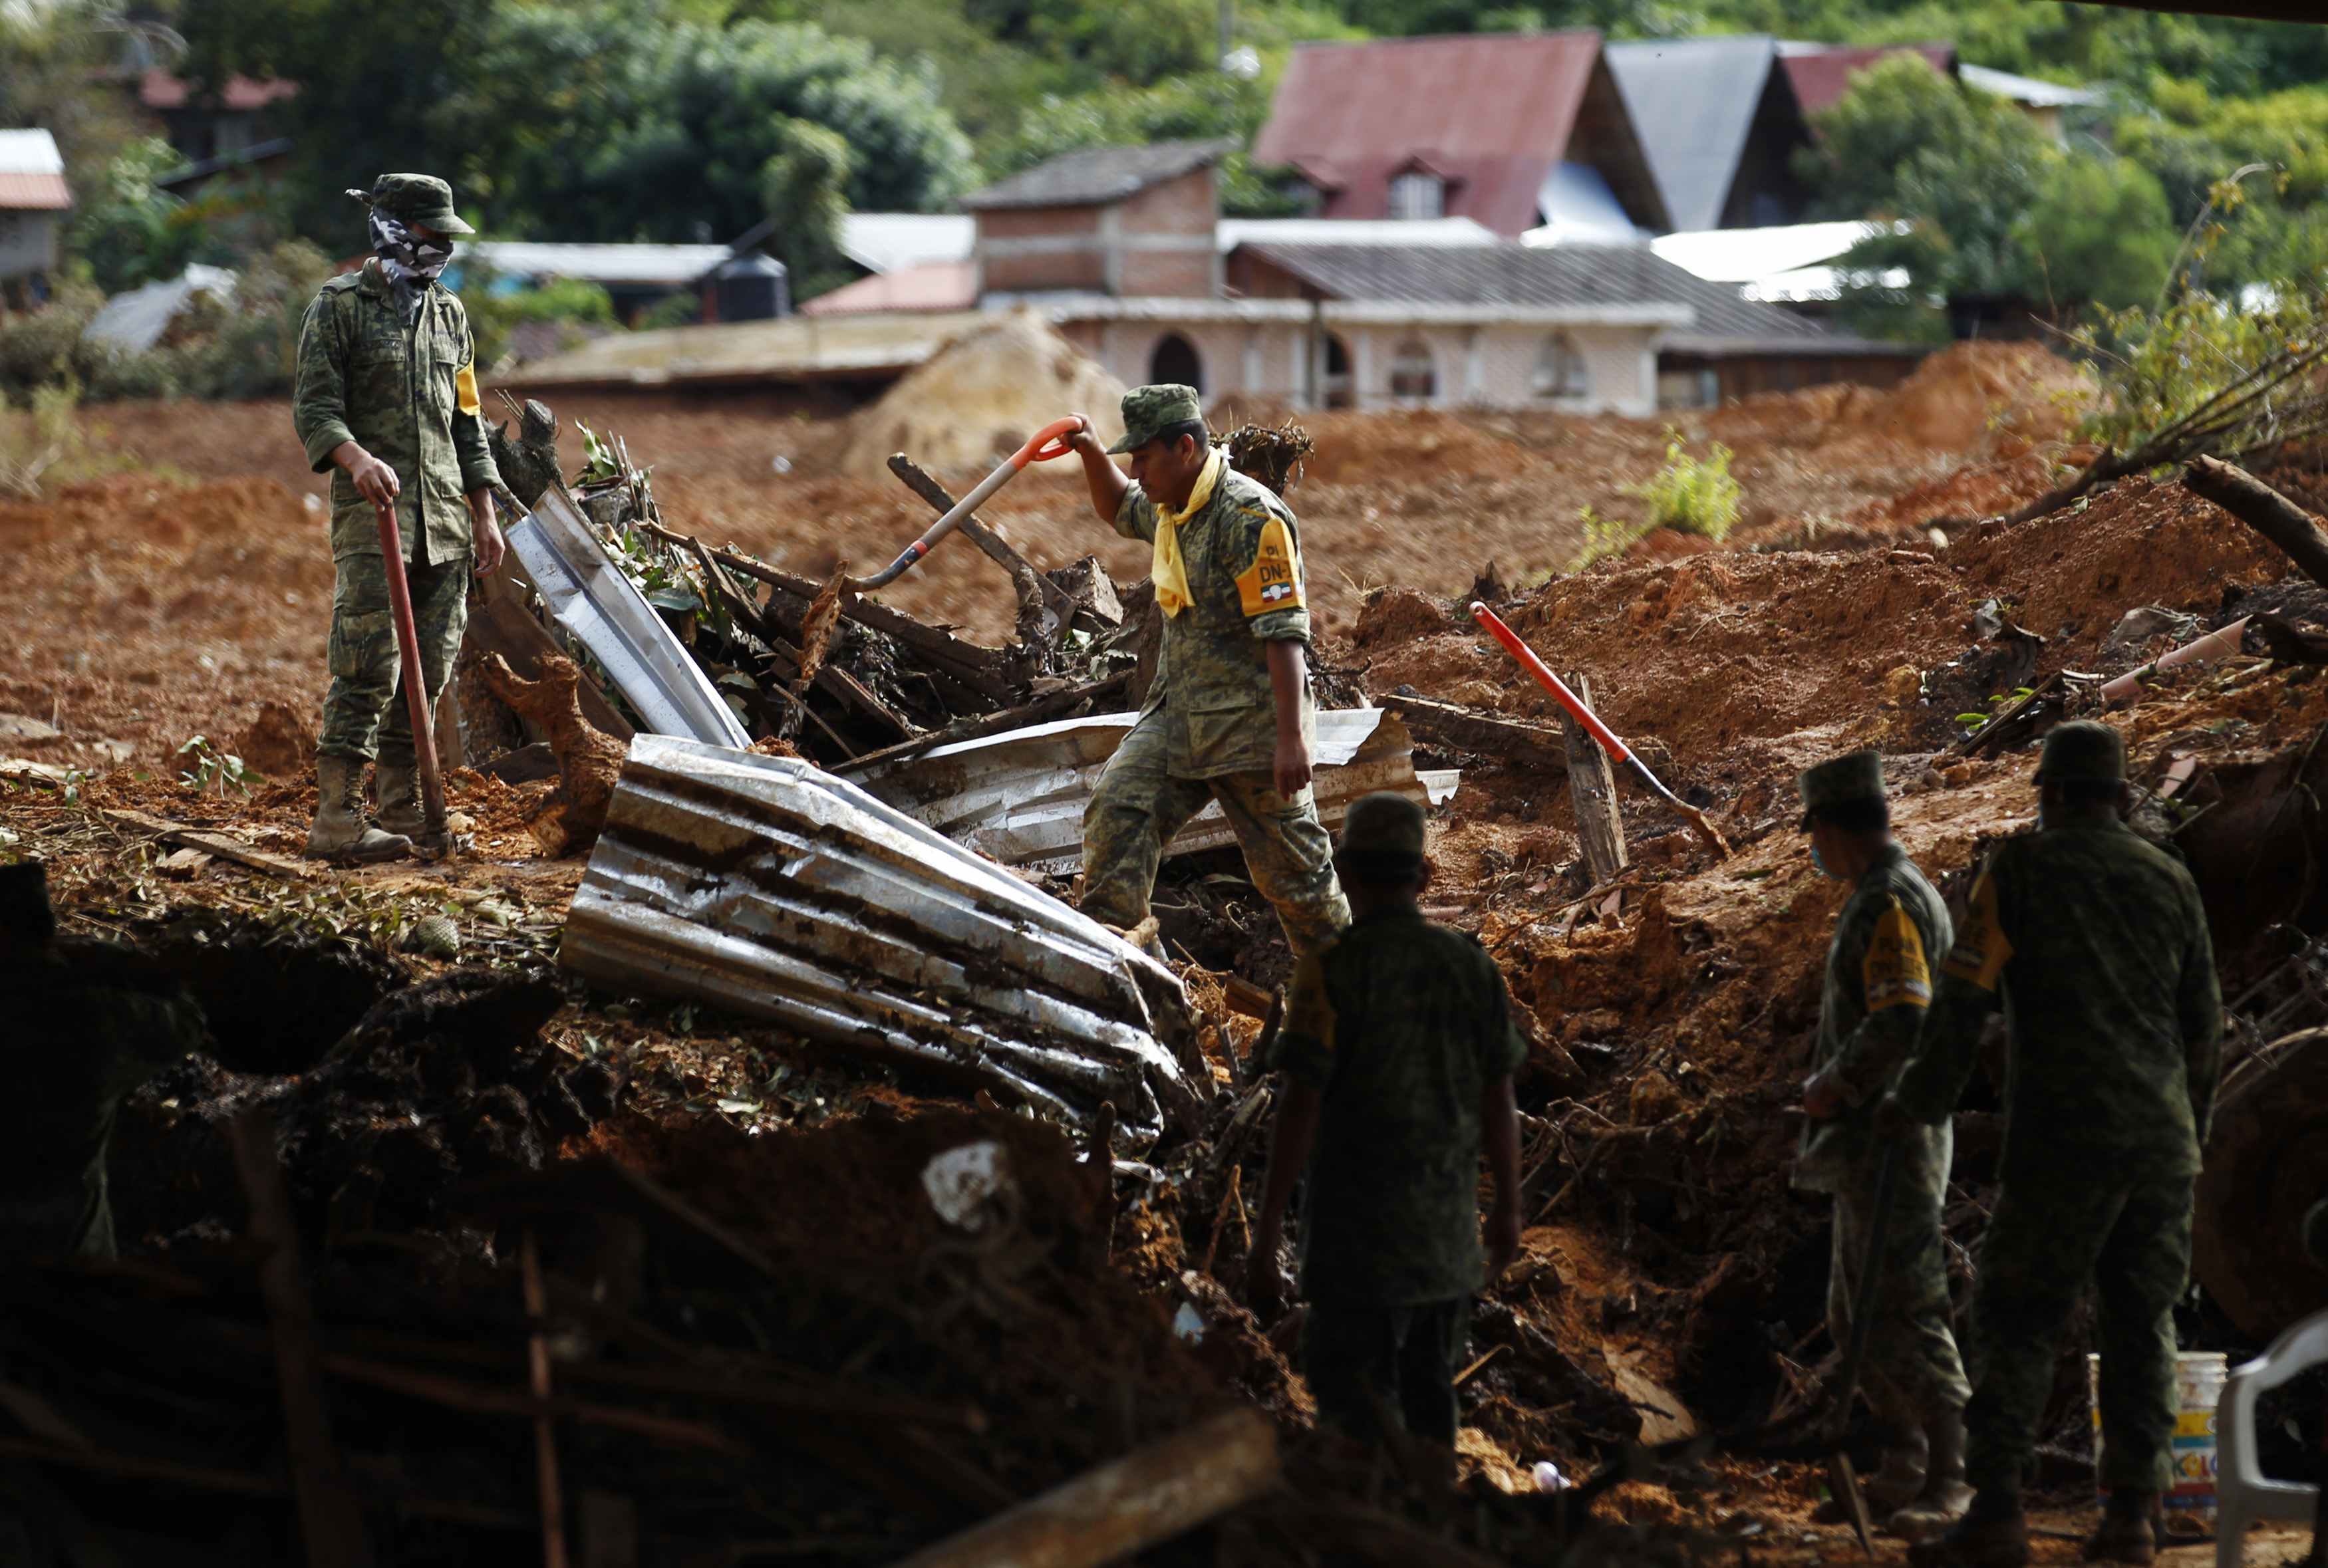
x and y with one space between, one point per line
1148 1496
1460 728
2263 509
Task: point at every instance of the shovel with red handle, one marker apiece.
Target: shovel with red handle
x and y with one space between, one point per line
1050 442
1617 749
434 839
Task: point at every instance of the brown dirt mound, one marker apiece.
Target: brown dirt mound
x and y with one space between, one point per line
980 398
1958 400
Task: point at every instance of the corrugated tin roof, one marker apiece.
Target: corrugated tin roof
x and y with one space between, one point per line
933 286
1821 73
887 241
2026 89
1694 102
1231 232
1584 276
675 265
1497 112
1098 175
787 349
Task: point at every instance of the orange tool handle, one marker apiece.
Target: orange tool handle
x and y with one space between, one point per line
1617 749
1050 441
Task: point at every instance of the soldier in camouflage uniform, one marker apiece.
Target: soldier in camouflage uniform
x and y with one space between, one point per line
1878 985
2095 944
1229 718
387 396
1398 1053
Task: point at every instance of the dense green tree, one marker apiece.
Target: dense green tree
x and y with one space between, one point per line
2098 233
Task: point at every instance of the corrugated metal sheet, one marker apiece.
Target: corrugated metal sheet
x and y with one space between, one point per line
590 598
1020 796
772 888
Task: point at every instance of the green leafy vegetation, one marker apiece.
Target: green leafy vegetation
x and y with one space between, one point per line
1691 494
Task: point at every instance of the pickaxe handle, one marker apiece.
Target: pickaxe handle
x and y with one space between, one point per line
1050 442
1617 749
415 685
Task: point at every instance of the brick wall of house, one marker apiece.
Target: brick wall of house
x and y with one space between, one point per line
1188 205
1083 270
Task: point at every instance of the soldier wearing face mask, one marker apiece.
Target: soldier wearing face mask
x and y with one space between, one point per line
386 403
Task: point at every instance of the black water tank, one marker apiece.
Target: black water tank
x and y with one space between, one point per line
752 288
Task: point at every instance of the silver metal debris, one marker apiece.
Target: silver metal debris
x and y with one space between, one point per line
1020 796
773 889
588 596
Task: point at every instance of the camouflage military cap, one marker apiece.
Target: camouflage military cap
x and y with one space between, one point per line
1382 836
1856 775
2081 750
1150 412
421 199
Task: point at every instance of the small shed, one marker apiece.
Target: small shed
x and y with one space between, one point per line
34 201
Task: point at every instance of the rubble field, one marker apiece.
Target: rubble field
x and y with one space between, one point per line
749 1209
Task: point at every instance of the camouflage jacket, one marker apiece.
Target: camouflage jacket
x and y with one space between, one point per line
1871 1007
406 393
1243 558
1402 1025
2094 943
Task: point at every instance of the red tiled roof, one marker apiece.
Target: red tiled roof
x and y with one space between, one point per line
931 285
34 193
158 90
1821 76
1492 112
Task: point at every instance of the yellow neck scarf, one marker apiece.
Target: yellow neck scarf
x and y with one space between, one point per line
1167 571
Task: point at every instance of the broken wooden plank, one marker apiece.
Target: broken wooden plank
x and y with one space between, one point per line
1123 1507
218 844
330 1525
1592 792
1045 611
1460 728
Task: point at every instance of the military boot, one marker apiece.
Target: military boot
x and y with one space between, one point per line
340 832
1945 1496
1991 1534
1885 1490
400 799
2128 1530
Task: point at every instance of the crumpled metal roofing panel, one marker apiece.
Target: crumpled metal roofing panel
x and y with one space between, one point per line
1020 796
770 887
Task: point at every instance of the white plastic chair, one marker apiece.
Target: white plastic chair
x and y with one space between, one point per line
2242 1494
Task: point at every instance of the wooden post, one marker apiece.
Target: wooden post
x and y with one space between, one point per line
1104 1516
1592 794
329 1526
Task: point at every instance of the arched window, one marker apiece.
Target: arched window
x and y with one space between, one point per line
1412 377
1560 371
1337 392
1174 360
1418 194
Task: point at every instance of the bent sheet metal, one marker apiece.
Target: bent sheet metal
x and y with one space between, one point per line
773 889
1020 796
596 605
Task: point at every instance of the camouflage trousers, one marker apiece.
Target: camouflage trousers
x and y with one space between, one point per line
1912 1371
1372 1368
1140 806
364 712
2129 1232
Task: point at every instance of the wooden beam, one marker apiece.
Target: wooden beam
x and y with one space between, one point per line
1592 792
1460 728
219 844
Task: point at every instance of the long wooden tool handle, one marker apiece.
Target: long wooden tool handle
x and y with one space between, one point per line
416 686
1617 749
1050 442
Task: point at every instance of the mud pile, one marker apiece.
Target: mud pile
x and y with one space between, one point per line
976 400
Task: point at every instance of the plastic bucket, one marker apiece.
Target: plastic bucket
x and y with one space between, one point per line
2199 1376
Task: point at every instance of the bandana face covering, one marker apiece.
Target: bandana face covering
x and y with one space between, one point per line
410 262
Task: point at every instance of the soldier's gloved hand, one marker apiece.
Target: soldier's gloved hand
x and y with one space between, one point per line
374 480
